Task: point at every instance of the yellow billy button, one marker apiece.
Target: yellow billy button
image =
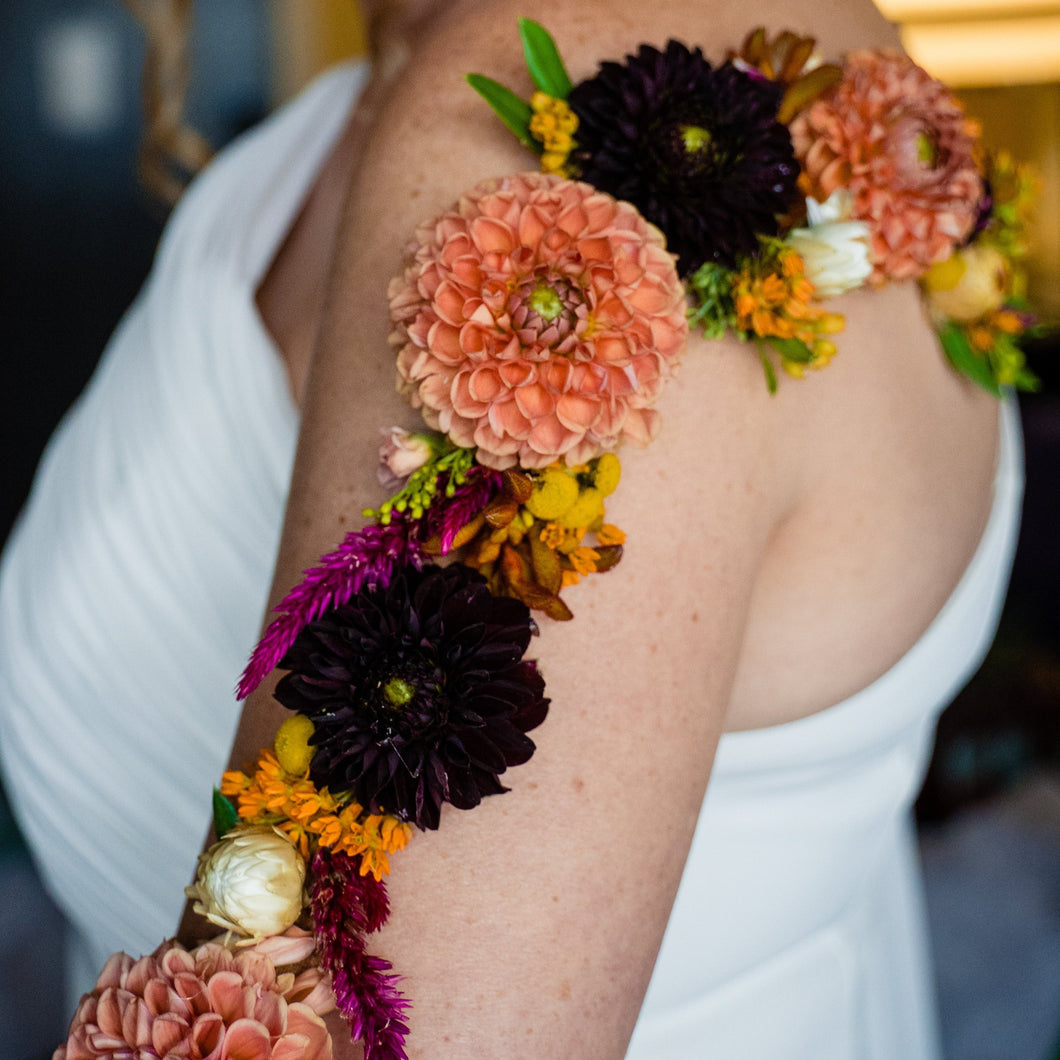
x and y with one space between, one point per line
292 745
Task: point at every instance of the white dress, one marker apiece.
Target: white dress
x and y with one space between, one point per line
133 587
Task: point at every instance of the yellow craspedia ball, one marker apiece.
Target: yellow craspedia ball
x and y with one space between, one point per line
608 472
555 492
586 510
292 744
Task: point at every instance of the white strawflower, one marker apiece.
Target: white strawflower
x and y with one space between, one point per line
250 882
835 250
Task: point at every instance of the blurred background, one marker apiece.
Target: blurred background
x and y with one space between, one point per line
78 234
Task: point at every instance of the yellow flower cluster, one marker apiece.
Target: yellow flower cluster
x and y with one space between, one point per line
294 805
569 502
553 125
774 299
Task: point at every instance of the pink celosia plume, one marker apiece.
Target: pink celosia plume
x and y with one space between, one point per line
346 907
538 319
365 559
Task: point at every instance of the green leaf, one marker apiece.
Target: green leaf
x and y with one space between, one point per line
225 817
767 367
543 61
1028 381
959 351
792 350
513 111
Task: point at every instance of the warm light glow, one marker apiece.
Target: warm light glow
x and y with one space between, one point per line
929 10
990 52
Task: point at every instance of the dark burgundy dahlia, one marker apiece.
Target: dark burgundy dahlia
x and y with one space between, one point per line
418 691
697 149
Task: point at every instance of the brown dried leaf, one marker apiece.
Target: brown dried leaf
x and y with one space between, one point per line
796 52
609 557
808 87
500 512
468 531
514 567
547 570
517 485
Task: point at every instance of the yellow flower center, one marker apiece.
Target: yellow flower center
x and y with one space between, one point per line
397 692
695 138
545 302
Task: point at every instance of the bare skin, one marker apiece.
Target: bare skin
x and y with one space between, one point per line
783 552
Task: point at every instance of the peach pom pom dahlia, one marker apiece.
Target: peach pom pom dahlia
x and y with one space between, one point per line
537 320
899 140
209 1004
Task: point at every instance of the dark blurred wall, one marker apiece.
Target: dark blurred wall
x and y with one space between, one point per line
76 232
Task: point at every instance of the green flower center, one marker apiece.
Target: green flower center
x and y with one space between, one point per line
545 302
927 150
695 138
398 692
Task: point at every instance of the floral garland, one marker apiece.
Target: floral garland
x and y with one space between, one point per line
535 323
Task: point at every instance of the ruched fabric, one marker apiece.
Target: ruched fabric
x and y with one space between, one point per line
132 591
135 582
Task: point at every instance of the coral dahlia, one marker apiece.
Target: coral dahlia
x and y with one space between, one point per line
418 692
899 141
206 1003
537 319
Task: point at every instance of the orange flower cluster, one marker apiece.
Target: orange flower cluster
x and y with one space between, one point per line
294 804
773 299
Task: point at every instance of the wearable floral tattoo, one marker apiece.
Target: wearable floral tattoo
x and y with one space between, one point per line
535 324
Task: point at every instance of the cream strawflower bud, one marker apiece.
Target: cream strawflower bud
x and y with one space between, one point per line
839 206
834 250
250 882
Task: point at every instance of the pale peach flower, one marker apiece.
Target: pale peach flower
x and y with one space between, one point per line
970 285
538 319
400 453
209 1003
899 141
292 947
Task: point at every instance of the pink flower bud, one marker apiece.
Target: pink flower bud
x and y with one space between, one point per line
400 454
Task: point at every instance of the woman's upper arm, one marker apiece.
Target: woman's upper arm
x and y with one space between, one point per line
530 926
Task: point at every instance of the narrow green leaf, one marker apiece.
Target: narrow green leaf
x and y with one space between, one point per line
513 111
225 817
767 367
959 351
543 60
792 350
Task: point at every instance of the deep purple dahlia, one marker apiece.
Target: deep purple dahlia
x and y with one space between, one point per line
418 691
697 149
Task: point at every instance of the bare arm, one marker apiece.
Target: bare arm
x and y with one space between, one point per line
531 925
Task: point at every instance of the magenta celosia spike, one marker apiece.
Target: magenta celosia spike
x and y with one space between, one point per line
367 558
346 906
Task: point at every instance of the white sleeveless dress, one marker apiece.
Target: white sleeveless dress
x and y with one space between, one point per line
133 587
